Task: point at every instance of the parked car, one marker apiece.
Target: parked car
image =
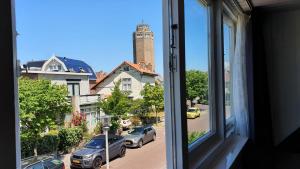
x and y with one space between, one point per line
42 162
92 155
193 113
138 136
125 123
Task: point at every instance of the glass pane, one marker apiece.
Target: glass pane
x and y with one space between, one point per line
76 90
197 66
70 90
228 51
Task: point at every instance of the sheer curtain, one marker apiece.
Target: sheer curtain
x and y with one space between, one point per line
239 80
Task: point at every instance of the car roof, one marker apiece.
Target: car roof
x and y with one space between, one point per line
102 136
147 126
33 160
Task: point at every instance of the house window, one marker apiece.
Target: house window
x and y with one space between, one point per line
73 89
55 68
126 68
126 84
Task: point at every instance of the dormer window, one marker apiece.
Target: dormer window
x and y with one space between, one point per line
55 68
81 70
126 68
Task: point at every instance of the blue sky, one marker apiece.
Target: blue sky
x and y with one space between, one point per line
100 31
96 31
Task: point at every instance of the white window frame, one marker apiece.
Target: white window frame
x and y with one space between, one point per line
126 82
179 154
230 18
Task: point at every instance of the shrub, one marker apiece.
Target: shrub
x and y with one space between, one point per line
79 119
135 121
27 146
98 129
193 136
69 137
46 144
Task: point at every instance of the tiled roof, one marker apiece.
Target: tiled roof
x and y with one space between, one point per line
134 66
39 63
77 66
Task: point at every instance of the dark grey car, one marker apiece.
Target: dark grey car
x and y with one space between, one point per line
139 136
92 155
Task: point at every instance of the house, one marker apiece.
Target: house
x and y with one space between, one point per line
133 77
76 75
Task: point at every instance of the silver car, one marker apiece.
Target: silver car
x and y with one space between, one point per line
139 136
92 155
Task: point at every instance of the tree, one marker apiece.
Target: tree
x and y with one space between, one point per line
117 105
42 105
153 96
197 85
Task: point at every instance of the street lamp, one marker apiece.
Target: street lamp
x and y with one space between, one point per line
106 124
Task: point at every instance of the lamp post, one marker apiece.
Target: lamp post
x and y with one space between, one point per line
106 124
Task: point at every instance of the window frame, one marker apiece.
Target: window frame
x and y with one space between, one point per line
9 128
73 84
230 18
126 82
179 154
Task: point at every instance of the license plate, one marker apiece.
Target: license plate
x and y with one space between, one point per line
76 161
127 142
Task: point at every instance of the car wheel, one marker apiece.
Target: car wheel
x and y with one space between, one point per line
154 137
97 163
140 144
122 151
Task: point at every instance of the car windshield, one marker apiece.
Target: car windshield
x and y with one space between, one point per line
136 131
95 143
191 110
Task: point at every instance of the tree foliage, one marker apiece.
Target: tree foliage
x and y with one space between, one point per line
153 96
42 105
117 105
197 85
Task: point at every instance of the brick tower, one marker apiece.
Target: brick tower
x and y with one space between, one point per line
143 46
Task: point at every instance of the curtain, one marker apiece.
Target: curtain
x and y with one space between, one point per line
239 80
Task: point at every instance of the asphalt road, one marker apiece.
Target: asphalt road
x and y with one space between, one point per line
153 154
199 124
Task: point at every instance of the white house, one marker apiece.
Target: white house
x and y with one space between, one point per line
76 75
133 77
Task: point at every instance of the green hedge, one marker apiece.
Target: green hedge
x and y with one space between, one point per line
61 140
69 137
193 136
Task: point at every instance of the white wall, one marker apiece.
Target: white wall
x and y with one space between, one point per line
282 47
137 82
60 79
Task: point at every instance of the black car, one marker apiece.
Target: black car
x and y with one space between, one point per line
42 162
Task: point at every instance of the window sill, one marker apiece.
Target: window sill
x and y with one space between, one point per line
229 152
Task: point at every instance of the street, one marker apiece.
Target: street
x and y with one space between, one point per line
153 154
199 124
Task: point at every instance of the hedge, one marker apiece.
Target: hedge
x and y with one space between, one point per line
62 140
69 137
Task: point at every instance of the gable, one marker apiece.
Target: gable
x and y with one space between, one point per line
126 66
